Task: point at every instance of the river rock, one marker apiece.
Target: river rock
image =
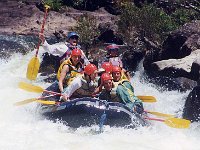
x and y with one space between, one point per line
182 42
192 105
179 67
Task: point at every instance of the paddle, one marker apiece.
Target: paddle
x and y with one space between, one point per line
34 64
47 102
39 100
38 89
149 99
159 114
173 122
33 88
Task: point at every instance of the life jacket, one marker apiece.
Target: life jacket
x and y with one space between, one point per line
123 76
112 95
86 89
115 61
74 71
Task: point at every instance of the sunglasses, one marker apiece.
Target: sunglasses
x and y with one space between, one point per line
74 37
114 49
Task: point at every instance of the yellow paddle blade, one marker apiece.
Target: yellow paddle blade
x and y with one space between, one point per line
33 68
25 102
160 114
47 6
30 87
177 123
46 102
149 99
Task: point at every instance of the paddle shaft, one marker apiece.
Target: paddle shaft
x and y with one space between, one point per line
155 119
39 98
52 92
30 100
159 114
42 30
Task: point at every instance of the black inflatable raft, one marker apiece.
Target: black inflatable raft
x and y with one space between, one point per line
89 111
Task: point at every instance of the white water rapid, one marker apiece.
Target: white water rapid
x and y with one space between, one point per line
21 128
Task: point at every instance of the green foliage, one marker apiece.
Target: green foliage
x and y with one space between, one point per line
87 28
54 4
182 16
153 22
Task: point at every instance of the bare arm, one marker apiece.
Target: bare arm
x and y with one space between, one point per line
63 73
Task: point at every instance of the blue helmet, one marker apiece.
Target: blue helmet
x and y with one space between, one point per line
70 34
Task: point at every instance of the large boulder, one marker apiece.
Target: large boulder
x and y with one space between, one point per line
179 44
131 58
191 109
150 57
178 54
179 67
182 42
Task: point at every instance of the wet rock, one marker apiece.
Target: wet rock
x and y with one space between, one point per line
191 109
195 70
176 66
16 44
150 57
49 64
131 58
182 42
179 67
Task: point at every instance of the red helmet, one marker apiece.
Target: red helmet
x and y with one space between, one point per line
90 69
112 47
107 66
76 52
116 69
105 77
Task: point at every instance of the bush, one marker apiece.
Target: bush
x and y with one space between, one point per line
54 4
182 16
153 22
87 29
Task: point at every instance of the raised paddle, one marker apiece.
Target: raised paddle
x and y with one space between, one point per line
38 89
173 122
34 64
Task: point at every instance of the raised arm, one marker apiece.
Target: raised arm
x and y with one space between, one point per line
55 49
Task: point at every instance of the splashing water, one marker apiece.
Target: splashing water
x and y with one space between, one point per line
23 128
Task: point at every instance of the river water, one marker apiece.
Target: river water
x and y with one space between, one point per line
21 128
